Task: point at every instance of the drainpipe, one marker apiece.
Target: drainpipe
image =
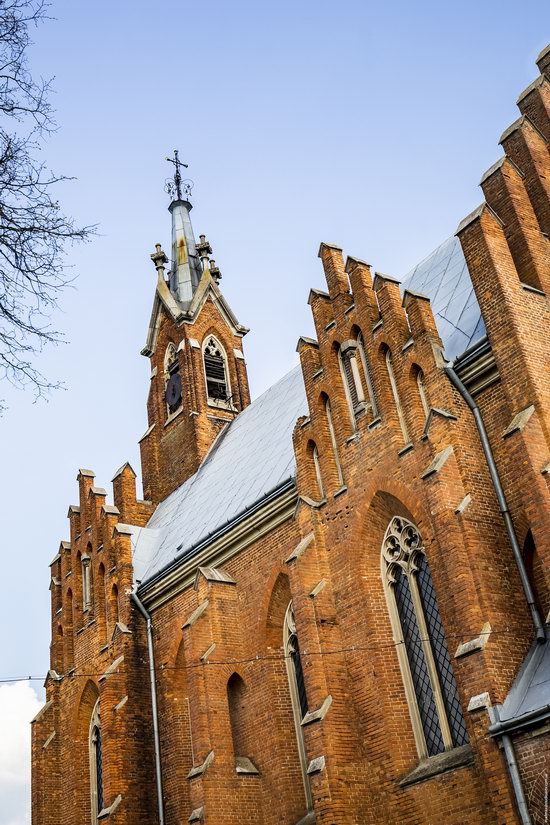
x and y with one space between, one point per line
540 635
152 678
499 728
483 437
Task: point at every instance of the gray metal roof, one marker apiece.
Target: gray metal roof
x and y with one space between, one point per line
251 458
531 689
254 455
444 278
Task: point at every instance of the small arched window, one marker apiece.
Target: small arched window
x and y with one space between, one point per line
215 371
172 380
436 713
96 764
397 400
422 392
332 434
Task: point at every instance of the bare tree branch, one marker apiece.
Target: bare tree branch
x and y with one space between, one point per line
34 231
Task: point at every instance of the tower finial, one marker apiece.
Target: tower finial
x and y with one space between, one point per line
178 188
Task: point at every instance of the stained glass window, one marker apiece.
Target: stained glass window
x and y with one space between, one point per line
418 629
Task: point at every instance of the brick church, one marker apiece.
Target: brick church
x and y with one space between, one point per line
331 604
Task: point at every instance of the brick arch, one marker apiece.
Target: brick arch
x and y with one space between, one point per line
80 791
279 599
175 729
274 714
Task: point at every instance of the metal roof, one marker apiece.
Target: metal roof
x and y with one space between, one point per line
252 457
531 689
444 278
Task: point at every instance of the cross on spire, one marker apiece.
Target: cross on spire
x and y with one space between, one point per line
177 174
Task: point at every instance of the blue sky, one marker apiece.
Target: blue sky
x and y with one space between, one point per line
359 123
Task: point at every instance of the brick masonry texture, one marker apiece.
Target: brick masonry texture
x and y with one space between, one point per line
222 683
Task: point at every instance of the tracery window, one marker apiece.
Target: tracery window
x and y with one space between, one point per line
298 693
96 764
397 400
436 713
172 380
215 370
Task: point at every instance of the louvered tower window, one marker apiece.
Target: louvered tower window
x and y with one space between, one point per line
96 764
436 713
215 369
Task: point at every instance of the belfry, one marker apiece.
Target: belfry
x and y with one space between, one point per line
331 604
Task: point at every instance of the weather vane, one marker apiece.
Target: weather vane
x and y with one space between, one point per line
176 187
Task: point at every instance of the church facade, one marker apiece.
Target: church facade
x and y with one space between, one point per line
331 603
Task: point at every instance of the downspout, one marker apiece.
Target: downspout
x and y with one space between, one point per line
498 728
503 506
154 704
540 634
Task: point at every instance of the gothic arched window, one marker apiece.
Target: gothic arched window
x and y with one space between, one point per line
96 764
298 695
215 371
436 714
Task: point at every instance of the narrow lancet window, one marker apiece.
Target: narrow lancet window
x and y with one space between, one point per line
397 400
422 392
215 370
436 713
317 467
330 424
96 764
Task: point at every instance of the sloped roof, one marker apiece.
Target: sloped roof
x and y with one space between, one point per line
252 457
443 276
531 689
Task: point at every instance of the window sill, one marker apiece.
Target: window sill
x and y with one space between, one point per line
436 765
221 405
173 415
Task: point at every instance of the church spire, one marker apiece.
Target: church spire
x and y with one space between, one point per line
186 268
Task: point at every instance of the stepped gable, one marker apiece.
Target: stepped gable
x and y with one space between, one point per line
252 458
253 455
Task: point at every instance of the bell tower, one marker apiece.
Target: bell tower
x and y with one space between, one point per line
199 381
